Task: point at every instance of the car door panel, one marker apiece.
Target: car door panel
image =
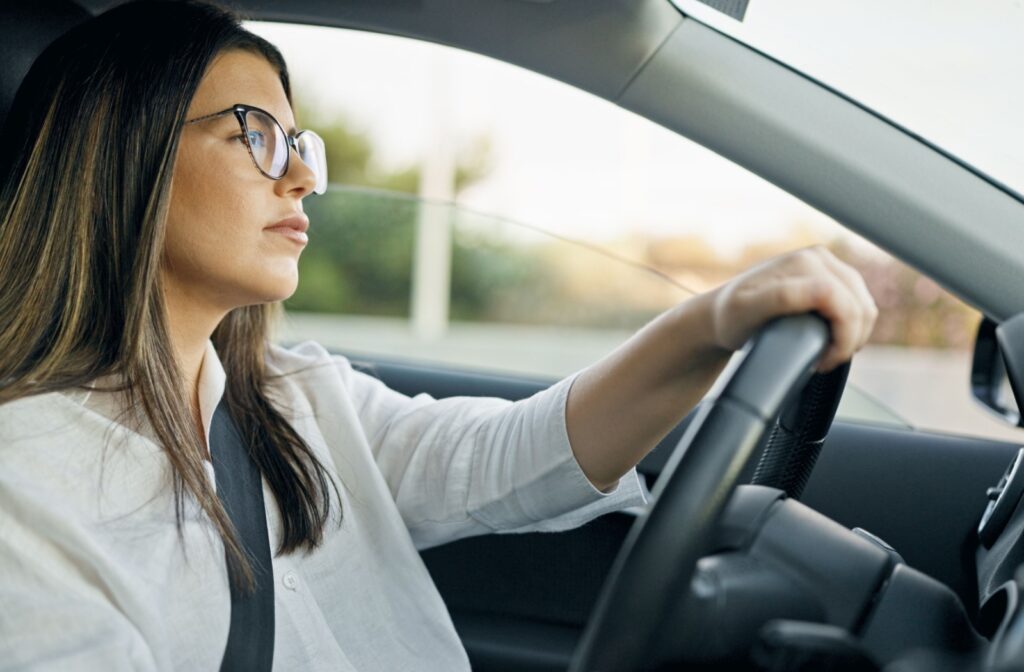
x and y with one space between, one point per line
520 601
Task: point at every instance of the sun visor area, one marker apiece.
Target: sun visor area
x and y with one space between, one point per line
737 9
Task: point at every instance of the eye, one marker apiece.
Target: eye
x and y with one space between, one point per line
257 140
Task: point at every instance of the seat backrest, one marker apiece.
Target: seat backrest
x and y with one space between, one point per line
26 28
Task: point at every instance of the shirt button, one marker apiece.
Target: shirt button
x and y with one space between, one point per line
289 580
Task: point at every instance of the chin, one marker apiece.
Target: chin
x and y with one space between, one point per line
280 295
277 281
270 293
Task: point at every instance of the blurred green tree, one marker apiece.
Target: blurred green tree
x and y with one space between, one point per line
352 159
360 256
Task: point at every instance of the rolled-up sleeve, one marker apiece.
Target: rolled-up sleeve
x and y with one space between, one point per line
471 465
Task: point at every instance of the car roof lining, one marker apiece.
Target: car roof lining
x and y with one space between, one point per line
868 174
616 36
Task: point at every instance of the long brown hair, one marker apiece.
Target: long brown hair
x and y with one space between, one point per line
87 155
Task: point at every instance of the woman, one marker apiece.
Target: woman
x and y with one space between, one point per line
152 221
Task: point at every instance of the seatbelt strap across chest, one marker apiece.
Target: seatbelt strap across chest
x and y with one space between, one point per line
250 645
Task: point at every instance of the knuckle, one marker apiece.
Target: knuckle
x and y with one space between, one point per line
809 254
824 255
784 294
781 294
842 330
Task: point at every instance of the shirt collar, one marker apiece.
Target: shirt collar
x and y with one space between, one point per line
211 387
212 382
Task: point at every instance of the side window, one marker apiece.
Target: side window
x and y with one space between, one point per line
484 216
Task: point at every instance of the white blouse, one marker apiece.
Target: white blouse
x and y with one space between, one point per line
93 575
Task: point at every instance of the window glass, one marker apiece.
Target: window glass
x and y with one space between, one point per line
484 216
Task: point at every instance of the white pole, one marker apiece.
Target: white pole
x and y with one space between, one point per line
431 273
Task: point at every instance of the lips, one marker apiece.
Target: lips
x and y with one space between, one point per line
293 228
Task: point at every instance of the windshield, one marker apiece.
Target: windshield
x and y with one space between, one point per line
947 70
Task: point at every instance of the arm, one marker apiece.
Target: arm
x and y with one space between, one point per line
463 466
619 408
55 611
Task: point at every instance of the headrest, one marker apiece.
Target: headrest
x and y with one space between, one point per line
26 28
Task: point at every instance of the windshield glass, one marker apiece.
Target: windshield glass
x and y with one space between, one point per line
947 70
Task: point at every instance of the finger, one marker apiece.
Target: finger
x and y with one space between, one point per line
828 296
839 307
788 295
855 282
859 309
805 293
747 307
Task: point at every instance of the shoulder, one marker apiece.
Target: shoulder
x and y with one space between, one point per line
308 357
310 369
39 417
55 456
63 426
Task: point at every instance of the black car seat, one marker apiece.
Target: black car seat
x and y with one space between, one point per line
26 28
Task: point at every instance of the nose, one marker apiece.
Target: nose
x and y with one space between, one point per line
300 179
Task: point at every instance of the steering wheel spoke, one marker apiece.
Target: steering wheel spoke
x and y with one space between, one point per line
658 558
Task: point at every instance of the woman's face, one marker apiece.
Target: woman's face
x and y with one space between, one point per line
219 253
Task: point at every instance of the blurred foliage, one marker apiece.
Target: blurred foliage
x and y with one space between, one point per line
914 310
352 160
496 282
360 259
361 251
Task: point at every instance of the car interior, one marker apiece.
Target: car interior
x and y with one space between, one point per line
773 546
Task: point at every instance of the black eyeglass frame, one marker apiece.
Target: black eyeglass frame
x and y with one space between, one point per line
240 110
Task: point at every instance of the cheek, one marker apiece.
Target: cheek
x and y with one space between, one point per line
207 215
215 239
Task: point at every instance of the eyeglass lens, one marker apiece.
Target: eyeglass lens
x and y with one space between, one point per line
313 153
270 148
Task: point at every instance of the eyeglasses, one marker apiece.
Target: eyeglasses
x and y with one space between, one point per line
269 145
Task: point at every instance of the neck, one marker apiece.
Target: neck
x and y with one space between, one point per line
190 323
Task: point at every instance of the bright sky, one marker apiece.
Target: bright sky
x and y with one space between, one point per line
578 165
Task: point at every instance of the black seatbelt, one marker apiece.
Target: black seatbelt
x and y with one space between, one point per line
250 644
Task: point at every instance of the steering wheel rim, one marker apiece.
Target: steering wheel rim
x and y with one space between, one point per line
657 560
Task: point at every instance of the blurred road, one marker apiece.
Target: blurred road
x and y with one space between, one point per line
927 388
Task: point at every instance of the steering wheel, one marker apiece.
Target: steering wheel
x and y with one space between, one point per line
658 558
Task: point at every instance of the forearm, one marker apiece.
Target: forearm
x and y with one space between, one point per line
620 407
